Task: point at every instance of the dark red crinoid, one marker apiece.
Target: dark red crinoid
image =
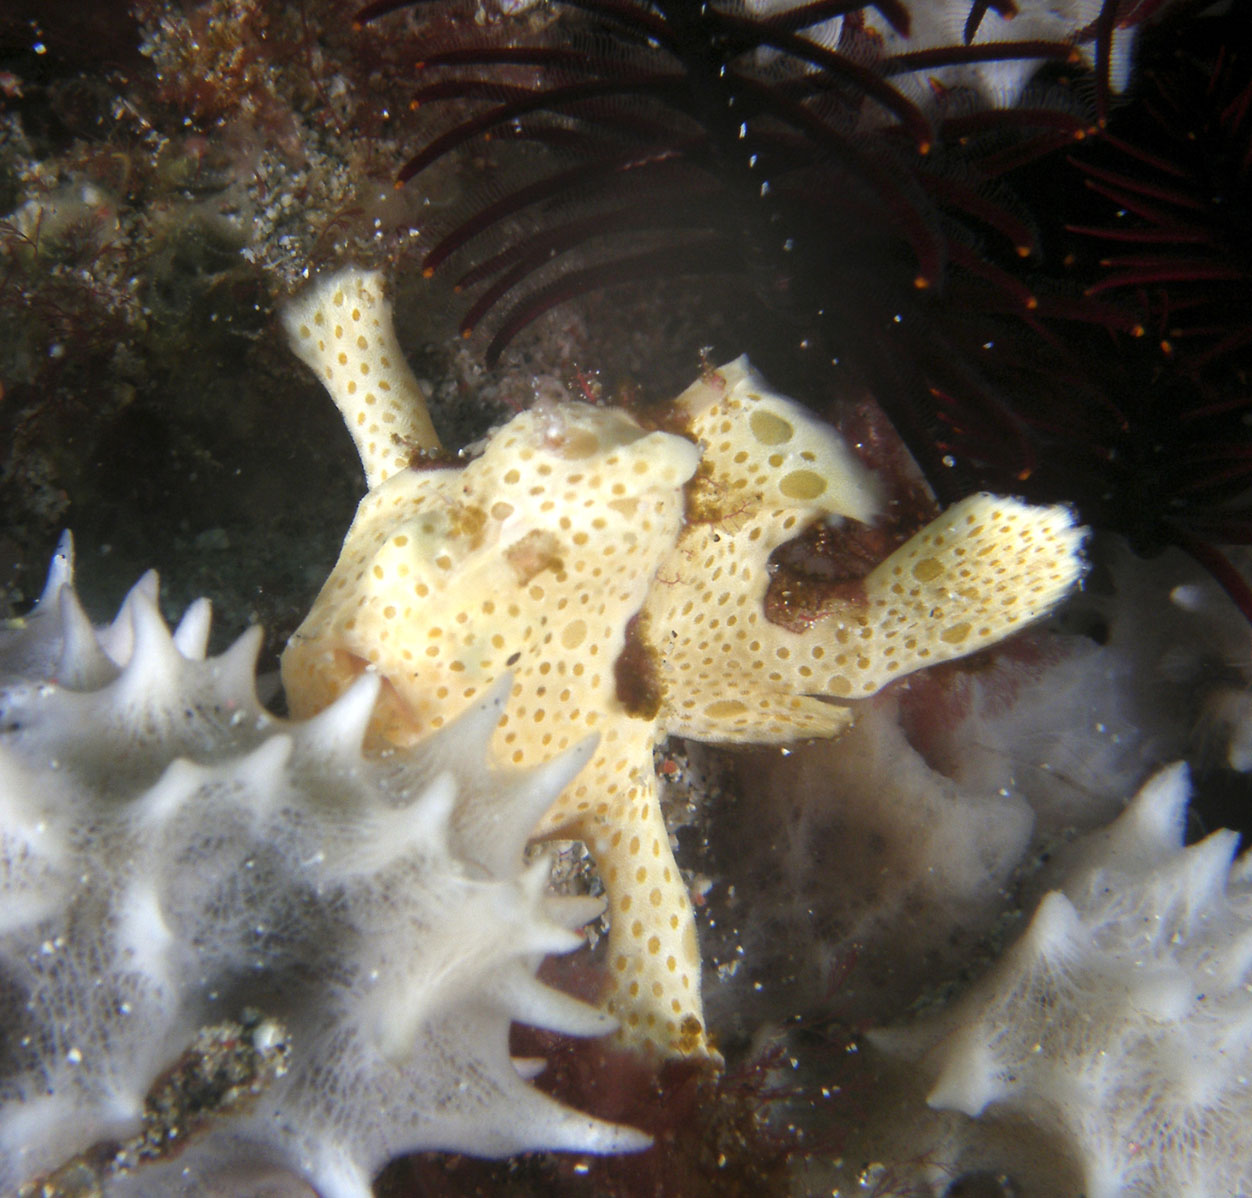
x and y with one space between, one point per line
1178 239
676 138
873 222
1139 391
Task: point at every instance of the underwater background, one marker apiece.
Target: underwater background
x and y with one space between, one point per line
1051 297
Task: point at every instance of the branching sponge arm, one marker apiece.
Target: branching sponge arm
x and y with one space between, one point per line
340 327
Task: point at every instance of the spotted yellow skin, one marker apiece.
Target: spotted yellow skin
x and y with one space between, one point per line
576 530
342 329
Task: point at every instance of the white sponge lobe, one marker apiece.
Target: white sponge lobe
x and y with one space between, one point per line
1121 1022
174 860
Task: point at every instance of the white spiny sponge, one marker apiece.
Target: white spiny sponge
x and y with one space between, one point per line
1119 1027
192 888
1000 78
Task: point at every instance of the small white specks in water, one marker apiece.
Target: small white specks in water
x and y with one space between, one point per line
267 1036
871 1175
74 1057
1188 596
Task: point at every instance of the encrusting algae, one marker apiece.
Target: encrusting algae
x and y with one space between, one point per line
580 552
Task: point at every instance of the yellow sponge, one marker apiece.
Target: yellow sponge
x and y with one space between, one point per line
619 574
342 329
